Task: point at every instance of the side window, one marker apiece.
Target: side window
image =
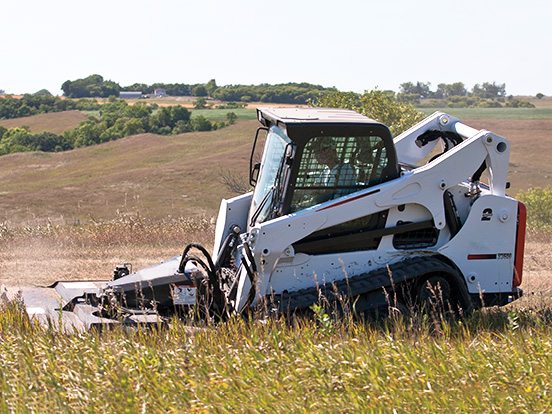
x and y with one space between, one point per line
332 167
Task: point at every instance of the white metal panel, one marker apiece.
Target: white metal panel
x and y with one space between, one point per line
232 212
489 231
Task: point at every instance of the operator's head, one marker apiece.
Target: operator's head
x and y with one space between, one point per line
325 151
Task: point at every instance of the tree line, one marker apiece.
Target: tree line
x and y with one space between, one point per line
115 119
456 95
290 93
293 93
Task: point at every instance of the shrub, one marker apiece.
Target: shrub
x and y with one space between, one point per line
231 117
519 103
200 123
539 207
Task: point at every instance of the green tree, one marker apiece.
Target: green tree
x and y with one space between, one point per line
539 95
49 142
139 87
211 87
231 118
179 113
423 90
137 111
489 90
519 103
43 92
397 116
200 103
538 202
182 127
91 86
162 118
445 90
199 90
133 127
412 98
200 123
16 140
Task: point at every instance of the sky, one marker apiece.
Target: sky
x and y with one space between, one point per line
353 45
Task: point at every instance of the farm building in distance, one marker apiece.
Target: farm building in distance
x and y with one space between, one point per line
160 92
130 95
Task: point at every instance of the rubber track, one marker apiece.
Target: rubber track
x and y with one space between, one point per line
372 281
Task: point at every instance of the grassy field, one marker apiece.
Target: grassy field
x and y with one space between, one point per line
497 360
134 193
494 113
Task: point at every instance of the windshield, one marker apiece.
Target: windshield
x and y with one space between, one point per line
268 187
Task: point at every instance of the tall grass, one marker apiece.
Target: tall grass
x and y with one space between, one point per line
492 362
124 229
41 254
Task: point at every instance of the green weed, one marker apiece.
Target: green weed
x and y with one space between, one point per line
539 207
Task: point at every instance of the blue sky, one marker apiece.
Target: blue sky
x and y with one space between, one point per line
352 45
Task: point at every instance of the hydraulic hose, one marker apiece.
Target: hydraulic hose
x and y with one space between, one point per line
219 299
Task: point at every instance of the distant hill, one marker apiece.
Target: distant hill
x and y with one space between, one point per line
56 122
179 175
155 175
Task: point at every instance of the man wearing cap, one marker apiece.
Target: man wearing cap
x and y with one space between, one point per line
335 174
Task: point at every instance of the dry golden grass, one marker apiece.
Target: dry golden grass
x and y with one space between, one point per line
497 360
41 255
537 271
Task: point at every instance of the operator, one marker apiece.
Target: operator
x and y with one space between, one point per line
336 173
335 180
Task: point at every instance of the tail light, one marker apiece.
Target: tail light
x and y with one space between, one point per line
520 243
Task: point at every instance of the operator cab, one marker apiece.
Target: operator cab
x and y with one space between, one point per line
313 155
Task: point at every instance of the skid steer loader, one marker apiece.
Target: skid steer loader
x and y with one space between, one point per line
340 212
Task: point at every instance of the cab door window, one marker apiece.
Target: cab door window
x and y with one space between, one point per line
332 167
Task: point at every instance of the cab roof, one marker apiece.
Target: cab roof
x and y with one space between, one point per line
301 124
288 116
